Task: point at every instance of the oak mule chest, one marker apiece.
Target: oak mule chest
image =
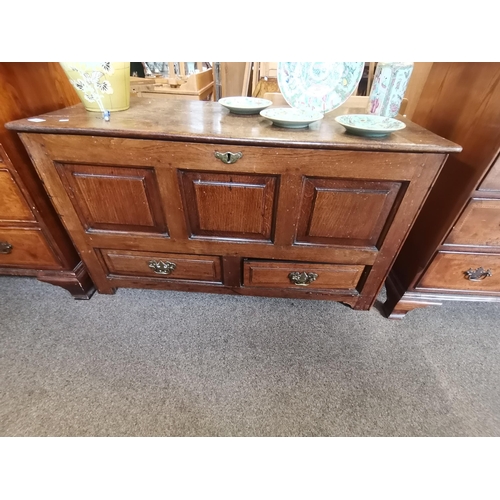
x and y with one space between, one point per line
183 195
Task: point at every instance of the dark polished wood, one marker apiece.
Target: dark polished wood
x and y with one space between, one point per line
28 246
76 281
478 226
449 271
210 122
232 206
272 274
41 245
459 224
337 212
185 267
134 192
13 205
400 302
314 201
492 181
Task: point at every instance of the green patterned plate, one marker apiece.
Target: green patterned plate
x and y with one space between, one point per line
291 117
318 86
370 125
245 105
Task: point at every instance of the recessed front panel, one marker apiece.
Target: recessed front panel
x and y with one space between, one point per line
115 198
229 205
345 212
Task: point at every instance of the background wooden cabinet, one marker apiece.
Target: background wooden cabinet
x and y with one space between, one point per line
33 241
453 250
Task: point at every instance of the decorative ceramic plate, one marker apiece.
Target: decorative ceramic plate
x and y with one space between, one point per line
318 86
370 125
291 117
245 105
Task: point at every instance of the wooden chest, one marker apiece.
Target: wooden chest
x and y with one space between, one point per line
185 196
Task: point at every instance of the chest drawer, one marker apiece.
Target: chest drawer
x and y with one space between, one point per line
463 272
169 266
20 247
301 276
479 224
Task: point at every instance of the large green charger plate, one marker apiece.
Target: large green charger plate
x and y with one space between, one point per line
318 86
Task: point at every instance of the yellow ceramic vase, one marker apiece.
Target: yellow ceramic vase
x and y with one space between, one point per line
101 86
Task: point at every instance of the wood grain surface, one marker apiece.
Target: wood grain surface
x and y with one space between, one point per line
290 201
28 89
211 122
461 102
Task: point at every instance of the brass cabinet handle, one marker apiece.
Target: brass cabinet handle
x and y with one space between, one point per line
302 279
5 247
228 157
478 274
160 267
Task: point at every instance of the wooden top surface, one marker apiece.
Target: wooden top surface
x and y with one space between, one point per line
202 121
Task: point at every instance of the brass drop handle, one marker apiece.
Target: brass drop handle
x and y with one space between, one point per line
478 274
302 279
228 157
5 247
160 267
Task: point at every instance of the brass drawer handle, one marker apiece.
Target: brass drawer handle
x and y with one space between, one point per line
228 157
478 274
160 267
302 279
5 247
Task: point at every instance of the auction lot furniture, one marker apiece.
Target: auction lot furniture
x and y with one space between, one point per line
453 250
33 241
183 195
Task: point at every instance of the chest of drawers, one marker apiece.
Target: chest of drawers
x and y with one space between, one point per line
453 249
185 196
33 242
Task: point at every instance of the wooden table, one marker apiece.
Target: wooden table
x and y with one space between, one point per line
182 195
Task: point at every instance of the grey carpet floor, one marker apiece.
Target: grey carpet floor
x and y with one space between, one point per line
154 363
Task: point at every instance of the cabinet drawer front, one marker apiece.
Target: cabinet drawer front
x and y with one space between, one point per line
168 266
463 272
479 224
21 247
271 274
